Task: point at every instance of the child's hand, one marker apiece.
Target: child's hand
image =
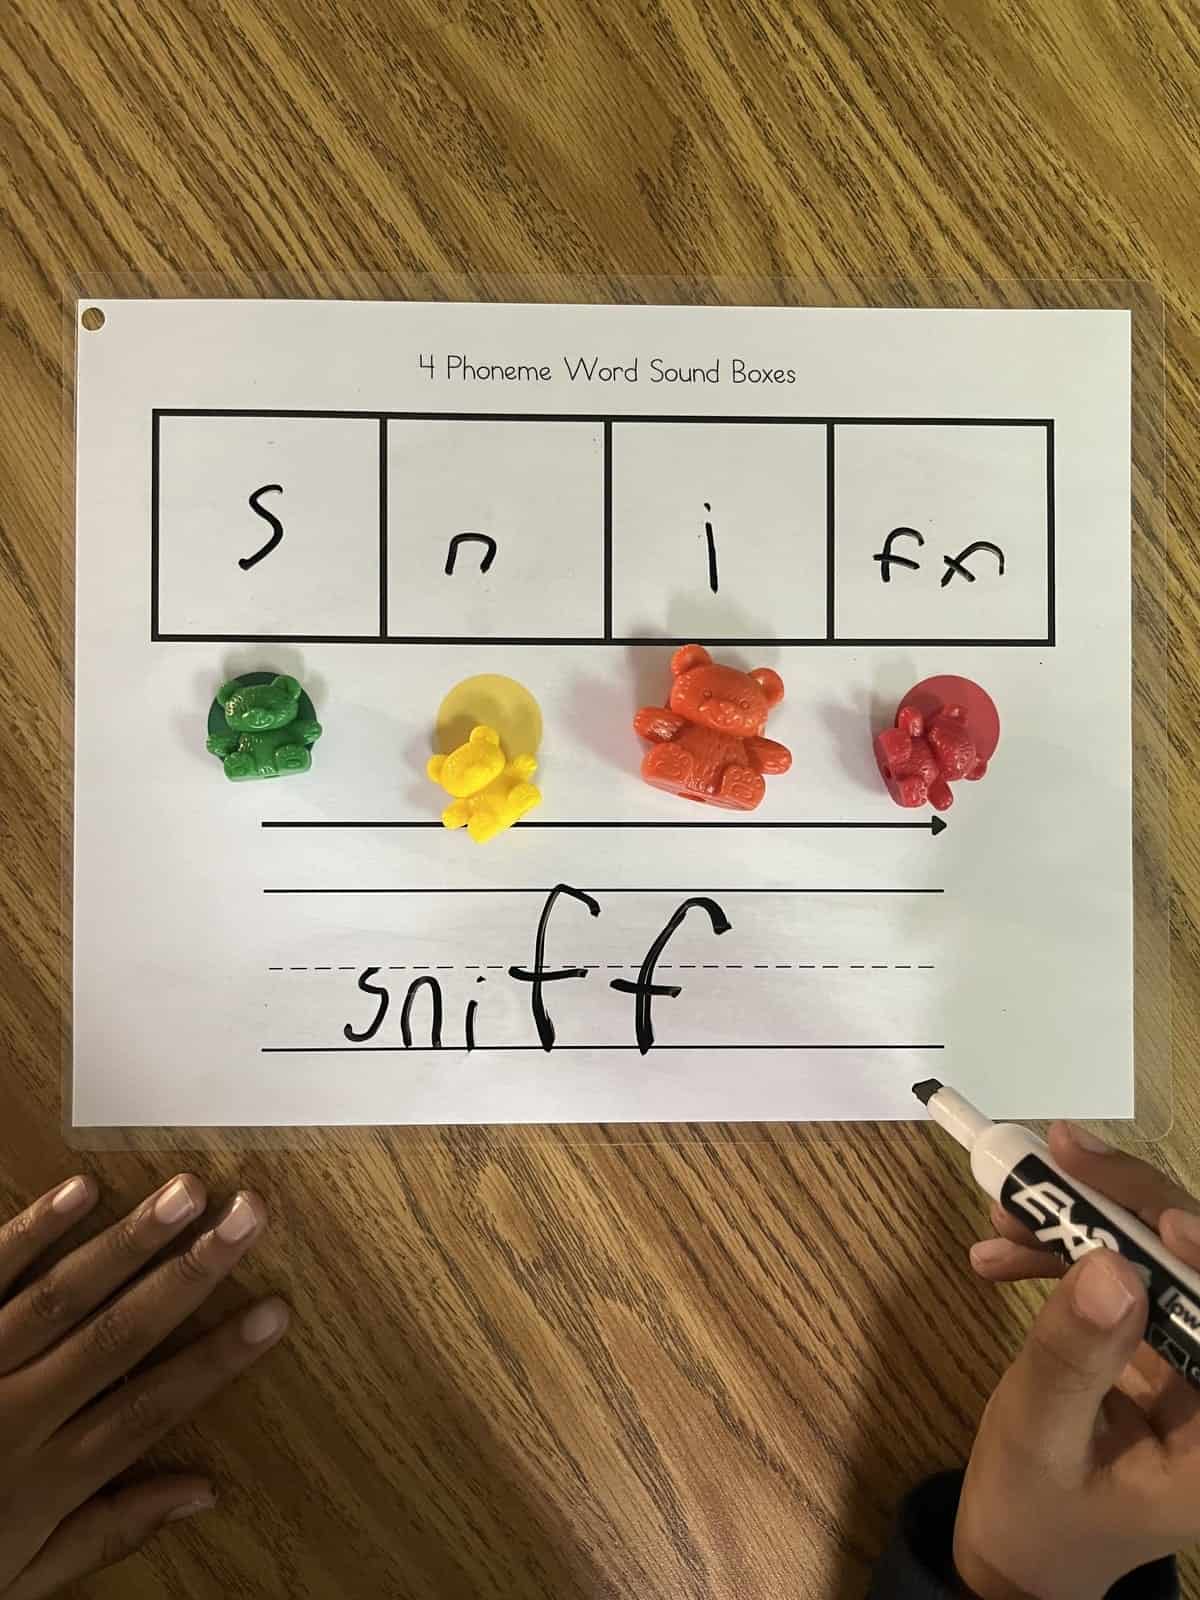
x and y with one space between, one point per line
1087 1461
69 1336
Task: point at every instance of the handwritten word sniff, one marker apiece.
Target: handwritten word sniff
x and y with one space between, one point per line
644 989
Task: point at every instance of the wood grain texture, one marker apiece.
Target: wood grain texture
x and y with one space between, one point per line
549 1371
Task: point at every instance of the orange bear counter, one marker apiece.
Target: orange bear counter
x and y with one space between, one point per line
707 739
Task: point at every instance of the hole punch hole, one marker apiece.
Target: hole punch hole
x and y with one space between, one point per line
92 319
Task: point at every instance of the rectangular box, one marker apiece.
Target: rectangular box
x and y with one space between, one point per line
718 530
265 527
495 529
591 529
1005 938
944 532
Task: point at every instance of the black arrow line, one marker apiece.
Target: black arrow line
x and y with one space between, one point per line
933 824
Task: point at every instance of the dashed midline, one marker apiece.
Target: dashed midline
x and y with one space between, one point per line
636 966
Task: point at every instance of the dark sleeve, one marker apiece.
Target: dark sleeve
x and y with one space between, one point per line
917 1563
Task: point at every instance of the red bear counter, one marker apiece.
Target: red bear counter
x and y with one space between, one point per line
947 728
708 743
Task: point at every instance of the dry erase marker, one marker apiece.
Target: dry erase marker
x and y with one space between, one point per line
1015 1167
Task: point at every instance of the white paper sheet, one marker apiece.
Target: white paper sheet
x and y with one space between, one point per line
222 963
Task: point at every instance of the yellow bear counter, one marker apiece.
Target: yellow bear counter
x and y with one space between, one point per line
490 793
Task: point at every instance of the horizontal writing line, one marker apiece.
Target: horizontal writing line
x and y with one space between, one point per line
502 641
537 889
484 1049
606 416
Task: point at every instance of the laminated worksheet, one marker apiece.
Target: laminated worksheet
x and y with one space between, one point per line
366 504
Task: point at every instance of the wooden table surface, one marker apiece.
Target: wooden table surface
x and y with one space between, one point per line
558 1370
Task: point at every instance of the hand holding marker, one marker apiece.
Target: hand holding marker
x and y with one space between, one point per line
1086 1464
1016 1169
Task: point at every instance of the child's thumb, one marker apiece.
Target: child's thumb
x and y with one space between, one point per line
1083 1338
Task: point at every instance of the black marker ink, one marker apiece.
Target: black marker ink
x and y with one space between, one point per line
460 539
887 560
367 987
435 1027
539 975
469 1023
955 563
645 988
246 562
712 552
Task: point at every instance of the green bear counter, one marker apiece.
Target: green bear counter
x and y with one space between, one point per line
262 725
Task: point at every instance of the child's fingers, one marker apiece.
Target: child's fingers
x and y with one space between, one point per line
1009 1228
59 1300
1177 1407
106 1529
1052 1396
1180 1232
29 1234
1003 1261
56 1385
111 1435
1134 1184
1145 1380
